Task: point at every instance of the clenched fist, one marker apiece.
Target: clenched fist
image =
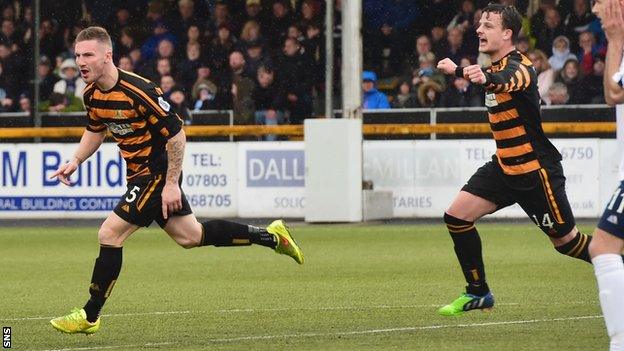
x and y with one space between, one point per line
447 66
474 74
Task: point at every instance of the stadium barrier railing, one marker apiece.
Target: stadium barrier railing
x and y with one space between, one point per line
440 123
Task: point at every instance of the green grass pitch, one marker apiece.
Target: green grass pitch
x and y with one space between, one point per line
363 287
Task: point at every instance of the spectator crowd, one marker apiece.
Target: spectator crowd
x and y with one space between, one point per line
265 59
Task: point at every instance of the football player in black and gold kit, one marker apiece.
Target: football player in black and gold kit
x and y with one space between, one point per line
526 168
151 140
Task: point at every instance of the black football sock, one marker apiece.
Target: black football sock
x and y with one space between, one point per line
577 247
468 250
225 233
105 274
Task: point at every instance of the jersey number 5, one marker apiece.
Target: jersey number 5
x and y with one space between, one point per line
133 194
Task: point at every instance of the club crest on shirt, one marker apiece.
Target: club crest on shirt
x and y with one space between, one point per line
164 104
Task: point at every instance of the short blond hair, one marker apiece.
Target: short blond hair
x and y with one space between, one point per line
95 33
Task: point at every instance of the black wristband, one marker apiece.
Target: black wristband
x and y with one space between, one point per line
459 72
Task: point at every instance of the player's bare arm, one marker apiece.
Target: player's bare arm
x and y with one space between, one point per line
613 25
171 194
89 143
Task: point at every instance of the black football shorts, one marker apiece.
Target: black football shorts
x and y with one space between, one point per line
141 204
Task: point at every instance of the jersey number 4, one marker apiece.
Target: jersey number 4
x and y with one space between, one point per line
546 221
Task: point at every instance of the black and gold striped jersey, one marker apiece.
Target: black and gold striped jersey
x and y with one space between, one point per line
513 104
139 119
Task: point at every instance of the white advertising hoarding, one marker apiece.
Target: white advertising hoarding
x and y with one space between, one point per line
28 191
423 176
581 167
271 179
267 179
210 179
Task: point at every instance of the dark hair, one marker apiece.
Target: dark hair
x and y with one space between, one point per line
510 16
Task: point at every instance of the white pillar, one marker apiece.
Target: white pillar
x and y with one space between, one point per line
351 59
333 170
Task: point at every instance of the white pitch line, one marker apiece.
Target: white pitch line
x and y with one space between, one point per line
104 315
401 329
150 344
253 310
236 310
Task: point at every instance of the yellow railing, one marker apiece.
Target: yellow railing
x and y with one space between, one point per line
297 130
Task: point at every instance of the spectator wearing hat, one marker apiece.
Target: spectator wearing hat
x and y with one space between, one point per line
429 94
204 96
204 81
372 98
70 85
47 78
560 53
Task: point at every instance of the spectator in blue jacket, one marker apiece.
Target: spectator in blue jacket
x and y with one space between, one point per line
372 98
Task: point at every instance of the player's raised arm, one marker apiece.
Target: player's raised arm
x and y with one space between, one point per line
89 143
613 25
514 77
